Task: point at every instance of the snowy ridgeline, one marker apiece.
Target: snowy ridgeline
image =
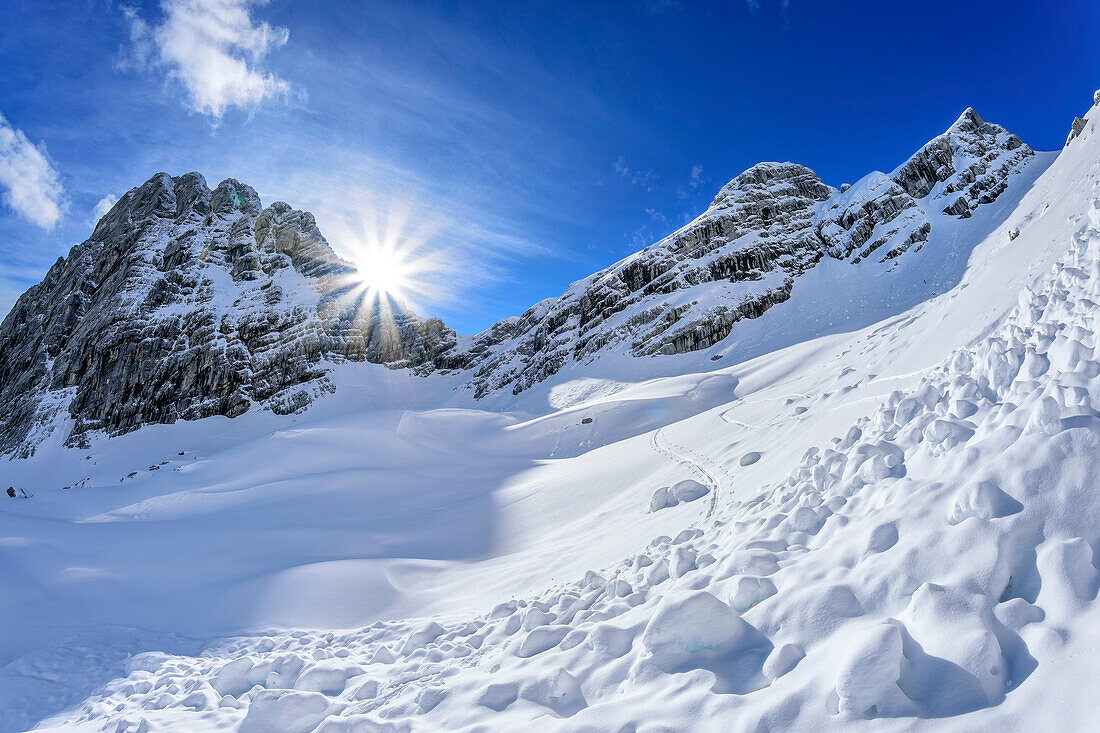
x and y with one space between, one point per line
188 302
935 559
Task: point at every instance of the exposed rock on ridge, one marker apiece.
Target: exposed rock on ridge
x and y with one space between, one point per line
744 254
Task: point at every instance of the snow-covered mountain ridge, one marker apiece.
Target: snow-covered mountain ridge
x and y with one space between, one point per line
185 303
188 302
745 253
892 527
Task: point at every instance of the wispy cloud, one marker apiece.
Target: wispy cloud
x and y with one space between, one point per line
214 48
645 179
657 216
102 207
31 186
697 179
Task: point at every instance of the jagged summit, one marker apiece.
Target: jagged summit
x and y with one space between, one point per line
968 121
969 164
187 302
798 178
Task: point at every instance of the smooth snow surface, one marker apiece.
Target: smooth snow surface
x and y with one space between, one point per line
896 525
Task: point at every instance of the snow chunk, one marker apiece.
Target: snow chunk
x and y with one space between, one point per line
782 660
328 677
662 498
420 638
561 692
693 627
868 681
684 491
957 625
750 458
882 538
1069 576
499 696
689 490
288 711
750 591
983 500
232 678
542 638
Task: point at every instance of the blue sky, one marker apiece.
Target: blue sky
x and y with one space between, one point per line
523 145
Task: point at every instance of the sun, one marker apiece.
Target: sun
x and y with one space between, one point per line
398 268
386 271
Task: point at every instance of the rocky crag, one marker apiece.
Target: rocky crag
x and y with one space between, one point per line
745 252
188 302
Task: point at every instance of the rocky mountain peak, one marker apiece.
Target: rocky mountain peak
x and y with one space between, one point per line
165 197
185 303
780 179
970 160
969 121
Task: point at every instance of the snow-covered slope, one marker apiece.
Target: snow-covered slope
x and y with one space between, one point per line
894 524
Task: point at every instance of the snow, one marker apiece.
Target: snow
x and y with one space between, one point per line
891 519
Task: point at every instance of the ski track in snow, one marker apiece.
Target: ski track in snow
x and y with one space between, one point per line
695 463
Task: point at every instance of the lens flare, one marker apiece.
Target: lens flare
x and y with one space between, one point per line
396 270
385 271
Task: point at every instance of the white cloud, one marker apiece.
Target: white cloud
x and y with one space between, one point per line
214 48
102 208
32 187
642 178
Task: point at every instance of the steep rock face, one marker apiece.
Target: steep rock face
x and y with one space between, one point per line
745 253
965 167
955 173
876 210
682 293
1079 123
186 303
